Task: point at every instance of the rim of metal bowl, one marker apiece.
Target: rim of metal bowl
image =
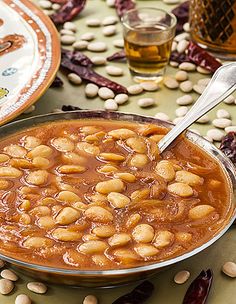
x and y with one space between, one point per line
223 161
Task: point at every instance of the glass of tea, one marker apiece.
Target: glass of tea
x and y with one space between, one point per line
148 35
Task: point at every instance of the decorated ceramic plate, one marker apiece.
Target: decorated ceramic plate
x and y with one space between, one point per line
29 56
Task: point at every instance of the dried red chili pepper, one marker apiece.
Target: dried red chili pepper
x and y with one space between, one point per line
59 1
179 57
77 57
67 108
123 5
181 12
200 57
228 146
57 83
88 74
68 11
137 296
117 56
198 290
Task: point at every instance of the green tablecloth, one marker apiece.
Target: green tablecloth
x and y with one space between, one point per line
166 292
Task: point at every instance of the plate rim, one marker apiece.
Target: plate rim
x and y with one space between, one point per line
54 64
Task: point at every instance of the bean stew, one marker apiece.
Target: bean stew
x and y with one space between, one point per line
96 194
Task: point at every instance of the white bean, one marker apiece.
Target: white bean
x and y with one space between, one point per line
90 299
113 185
6 286
109 20
63 144
184 100
119 43
198 88
222 113
215 134
15 151
45 4
181 111
37 287
182 46
56 6
230 129
110 3
47 12
229 268
221 123
80 45
93 246
186 27
121 98
110 105
186 86
149 86
9 275
66 32
143 233
67 39
182 36
174 64
209 139
162 116
171 83
203 81
98 60
91 90
88 36
135 89
229 100
109 30
98 214
203 71
146 102
180 189
93 22
114 71
70 26
181 277
177 120
187 66
22 299
119 239
74 78
97 46
146 250
106 93
204 119
174 46
118 200
10 172
200 211
181 76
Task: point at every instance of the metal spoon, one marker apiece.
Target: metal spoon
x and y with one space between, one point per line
222 84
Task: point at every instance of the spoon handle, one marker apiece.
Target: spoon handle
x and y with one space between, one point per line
222 84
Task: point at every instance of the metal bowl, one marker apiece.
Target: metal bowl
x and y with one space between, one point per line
100 278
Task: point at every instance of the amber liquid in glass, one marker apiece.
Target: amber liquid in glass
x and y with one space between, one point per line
213 24
148 49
